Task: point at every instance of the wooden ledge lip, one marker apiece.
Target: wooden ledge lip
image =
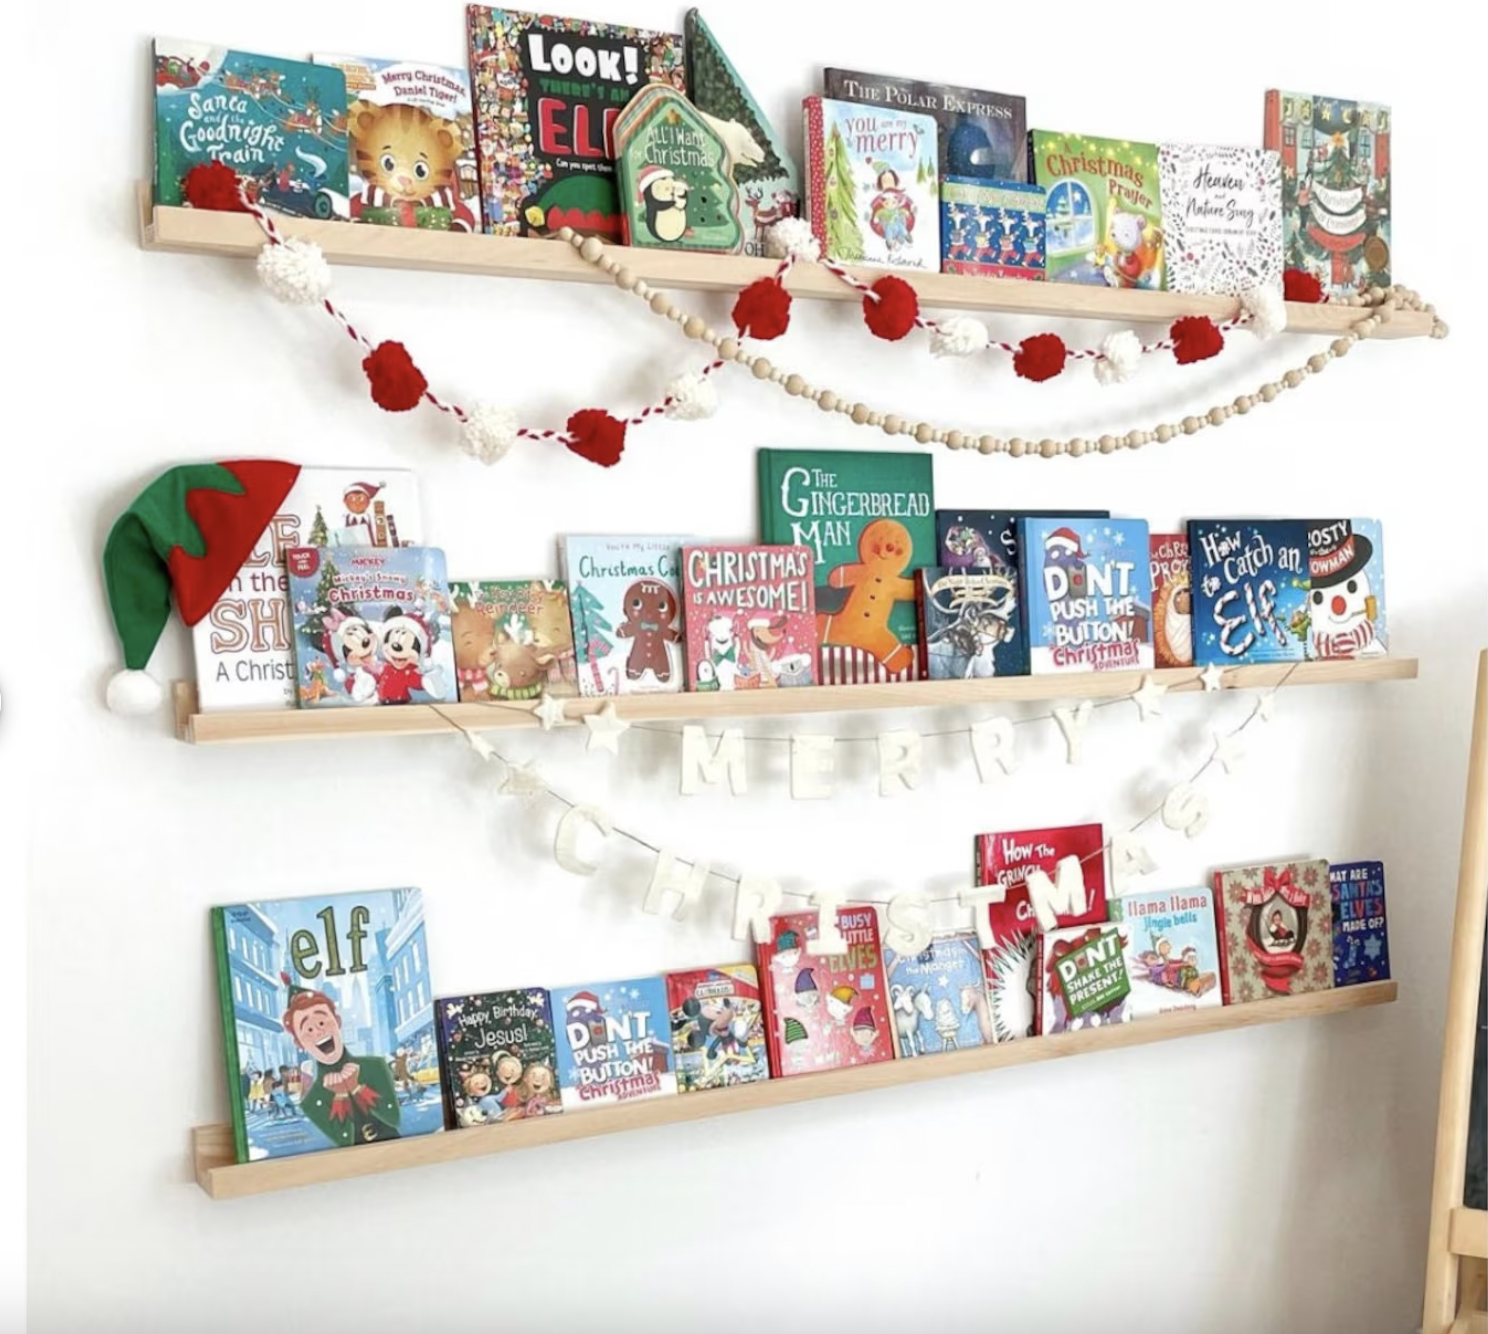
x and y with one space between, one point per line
1467 1233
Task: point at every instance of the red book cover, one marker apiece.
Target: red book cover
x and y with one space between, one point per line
750 617
1172 600
816 171
1275 930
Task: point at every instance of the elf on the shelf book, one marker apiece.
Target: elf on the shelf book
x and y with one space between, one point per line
1361 941
613 1042
1172 950
750 616
1250 590
718 1027
497 1054
939 996
1278 930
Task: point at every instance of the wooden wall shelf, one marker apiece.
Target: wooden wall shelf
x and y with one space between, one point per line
237 236
223 1179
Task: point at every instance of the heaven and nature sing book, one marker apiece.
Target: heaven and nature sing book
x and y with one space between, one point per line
371 626
938 997
750 616
991 229
1172 600
1221 217
498 1055
327 1021
1251 584
614 1042
1082 981
1172 950
718 1027
513 639
1345 614
1277 922
1361 940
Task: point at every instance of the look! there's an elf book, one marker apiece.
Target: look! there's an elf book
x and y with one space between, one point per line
1361 940
614 1043
750 614
513 639
1251 583
1081 978
315 1059
938 997
1278 930
718 1027
497 1052
1172 950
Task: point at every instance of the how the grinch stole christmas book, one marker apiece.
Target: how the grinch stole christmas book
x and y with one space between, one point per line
513 639
1221 211
1172 600
939 996
825 1011
1251 581
498 1056
614 1044
1277 921
718 1027
750 614
1361 940
1081 978
1345 614
1172 950
327 1021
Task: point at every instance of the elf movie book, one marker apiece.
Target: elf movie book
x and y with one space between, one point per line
1278 930
750 615
718 1027
1172 950
613 1042
497 1052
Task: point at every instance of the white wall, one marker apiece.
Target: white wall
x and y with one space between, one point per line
1270 1180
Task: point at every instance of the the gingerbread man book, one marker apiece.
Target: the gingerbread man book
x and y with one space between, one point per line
1251 583
497 1053
1361 939
1172 949
614 1042
1346 597
513 639
750 615
718 1027
1277 921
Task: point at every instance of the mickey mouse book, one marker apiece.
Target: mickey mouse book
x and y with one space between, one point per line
939 996
614 1042
1278 930
1251 582
1361 940
497 1052
1345 615
513 639
718 1027
750 613
1172 950
1081 978
1172 600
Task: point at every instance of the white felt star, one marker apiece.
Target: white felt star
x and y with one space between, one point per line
550 712
605 728
522 780
1212 676
1266 706
1148 697
1228 751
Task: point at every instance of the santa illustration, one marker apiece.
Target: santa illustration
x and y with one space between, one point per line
1343 608
1062 553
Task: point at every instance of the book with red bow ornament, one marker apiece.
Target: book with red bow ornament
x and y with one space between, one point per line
1276 925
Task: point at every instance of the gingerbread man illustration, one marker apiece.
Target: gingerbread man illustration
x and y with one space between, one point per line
650 610
877 582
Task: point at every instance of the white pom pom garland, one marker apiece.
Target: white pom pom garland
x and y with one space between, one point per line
131 693
1120 355
488 432
693 397
295 272
1265 311
959 336
791 238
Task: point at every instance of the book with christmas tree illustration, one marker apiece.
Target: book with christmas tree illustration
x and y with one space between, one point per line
498 1057
1081 978
614 1042
1345 612
1172 600
1172 950
513 639
1251 582
938 997
327 1021
1361 939
1277 924
718 1027
1221 213
750 615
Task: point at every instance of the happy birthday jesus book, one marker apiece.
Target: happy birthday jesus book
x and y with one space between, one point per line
497 1055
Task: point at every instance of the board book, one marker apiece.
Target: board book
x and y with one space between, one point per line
1221 217
750 617
968 623
513 639
1082 980
1278 930
1172 600
718 1027
327 1021
1345 616
991 229
613 1042
938 997
498 1056
1172 950
1251 584
1361 939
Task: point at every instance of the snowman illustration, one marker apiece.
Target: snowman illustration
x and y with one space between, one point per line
1342 606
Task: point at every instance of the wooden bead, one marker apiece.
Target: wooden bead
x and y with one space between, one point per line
1077 447
875 418
1017 447
694 326
1163 433
892 423
795 386
924 433
777 375
591 250
1269 392
955 439
625 280
827 401
728 349
566 235
1318 362
1340 346
1292 379
1190 425
1243 404
609 264
762 368
1048 448
1217 416
642 289
1107 444
1134 439
988 445
661 304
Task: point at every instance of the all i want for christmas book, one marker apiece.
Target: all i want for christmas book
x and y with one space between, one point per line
499 1057
1172 950
750 616
513 639
939 996
614 1042
718 1027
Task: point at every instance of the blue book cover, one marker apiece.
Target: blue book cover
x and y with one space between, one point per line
1172 949
1361 940
614 1042
1250 590
371 626
328 1021
1346 604
991 229
938 997
1086 592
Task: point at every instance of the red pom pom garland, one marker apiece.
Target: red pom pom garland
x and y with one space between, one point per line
397 384
891 308
1040 357
1299 285
597 436
213 185
1195 338
763 309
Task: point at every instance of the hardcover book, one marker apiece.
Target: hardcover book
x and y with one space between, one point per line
968 623
613 1042
1082 981
750 615
1221 217
327 1021
371 626
718 1027
1278 930
1172 950
872 190
1085 589
244 646
1345 614
547 93
938 997
824 1011
1335 187
513 639
1361 940
991 229
868 519
280 124
1104 214
1172 600
1251 585
498 1056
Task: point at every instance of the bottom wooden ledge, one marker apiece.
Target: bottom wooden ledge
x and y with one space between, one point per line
223 1179
1467 1233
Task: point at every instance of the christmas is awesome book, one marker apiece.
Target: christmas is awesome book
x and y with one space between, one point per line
750 617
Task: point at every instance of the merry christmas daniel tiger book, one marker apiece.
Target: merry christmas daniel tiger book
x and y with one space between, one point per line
1345 614
1172 950
718 1027
513 639
1081 978
1251 581
1221 214
498 1057
938 997
1277 923
750 616
1172 600
1361 940
614 1042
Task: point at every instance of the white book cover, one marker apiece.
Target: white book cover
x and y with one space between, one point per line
1221 213
1172 950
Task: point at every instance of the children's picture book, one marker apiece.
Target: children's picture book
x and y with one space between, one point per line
1104 214
614 1043
1335 187
991 229
824 1011
1172 950
938 997
547 93
1277 921
371 626
1085 591
280 124
1221 217
412 141
513 639
718 1027
327 1021
1361 939
244 646
498 1056
1172 600
872 186
750 616
625 600
764 169
868 518
968 622
1251 584
1345 614
1082 981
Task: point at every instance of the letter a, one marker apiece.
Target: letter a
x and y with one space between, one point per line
1186 808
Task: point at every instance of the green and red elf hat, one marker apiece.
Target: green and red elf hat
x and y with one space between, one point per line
190 530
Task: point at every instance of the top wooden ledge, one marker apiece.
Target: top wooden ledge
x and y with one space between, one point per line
197 231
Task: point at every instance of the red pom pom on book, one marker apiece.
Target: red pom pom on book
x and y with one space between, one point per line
1299 285
894 313
763 310
597 436
1040 357
397 384
213 185
1195 338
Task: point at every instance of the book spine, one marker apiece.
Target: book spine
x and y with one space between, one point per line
446 1070
1039 987
1222 938
1271 131
922 650
229 1037
816 181
767 1011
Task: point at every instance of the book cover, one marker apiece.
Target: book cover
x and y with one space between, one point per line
1082 981
1172 600
872 187
938 997
280 124
764 169
1345 612
1104 215
968 623
1251 582
718 1027
244 646
1172 950
328 1021
625 599
371 626
824 1011
1361 940
868 519
1278 930
1221 217
750 616
498 1056
1335 187
547 93
613 1042
412 142
991 229
1085 589
513 639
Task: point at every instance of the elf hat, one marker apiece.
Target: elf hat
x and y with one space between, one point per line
190 530
805 981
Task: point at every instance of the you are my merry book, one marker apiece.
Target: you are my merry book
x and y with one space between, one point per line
750 617
498 1056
